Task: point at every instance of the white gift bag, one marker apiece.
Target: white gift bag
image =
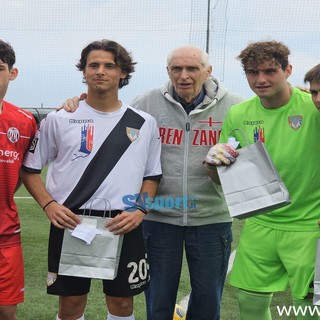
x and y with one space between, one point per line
251 184
92 251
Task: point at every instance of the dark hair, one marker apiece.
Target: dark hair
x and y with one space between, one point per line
257 53
7 54
313 74
122 57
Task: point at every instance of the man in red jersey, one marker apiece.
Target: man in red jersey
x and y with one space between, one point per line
17 128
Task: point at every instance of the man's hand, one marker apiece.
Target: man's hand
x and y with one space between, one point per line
72 105
221 154
61 217
125 222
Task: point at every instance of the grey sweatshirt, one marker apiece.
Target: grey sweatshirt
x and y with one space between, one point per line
187 196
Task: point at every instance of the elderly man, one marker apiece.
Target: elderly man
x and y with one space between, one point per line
189 109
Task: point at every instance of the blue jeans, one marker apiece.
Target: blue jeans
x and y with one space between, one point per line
207 252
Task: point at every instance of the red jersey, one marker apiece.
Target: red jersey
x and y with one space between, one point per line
17 128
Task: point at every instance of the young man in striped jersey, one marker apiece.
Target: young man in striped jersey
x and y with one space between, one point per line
106 150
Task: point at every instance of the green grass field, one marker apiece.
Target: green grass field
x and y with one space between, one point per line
40 306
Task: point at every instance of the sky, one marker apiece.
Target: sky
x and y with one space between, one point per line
48 37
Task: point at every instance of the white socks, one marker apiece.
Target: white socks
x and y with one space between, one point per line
81 318
112 317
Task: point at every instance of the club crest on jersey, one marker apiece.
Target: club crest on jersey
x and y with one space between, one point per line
132 133
13 134
295 122
86 142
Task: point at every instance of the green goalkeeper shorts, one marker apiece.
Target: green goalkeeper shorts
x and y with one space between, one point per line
268 260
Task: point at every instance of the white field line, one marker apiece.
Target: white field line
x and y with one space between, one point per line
185 300
23 197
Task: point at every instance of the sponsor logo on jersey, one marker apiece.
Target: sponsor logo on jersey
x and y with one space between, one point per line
8 156
81 121
86 142
258 131
258 134
13 134
295 122
132 133
253 122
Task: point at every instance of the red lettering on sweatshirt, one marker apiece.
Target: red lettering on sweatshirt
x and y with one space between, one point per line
201 137
205 137
171 136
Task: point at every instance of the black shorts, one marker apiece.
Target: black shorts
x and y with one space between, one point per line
133 271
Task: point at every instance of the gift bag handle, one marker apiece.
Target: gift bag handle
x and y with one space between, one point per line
90 208
244 134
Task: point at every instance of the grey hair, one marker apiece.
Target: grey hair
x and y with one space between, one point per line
204 56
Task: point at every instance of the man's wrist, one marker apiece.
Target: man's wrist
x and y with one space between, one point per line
140 208
47 204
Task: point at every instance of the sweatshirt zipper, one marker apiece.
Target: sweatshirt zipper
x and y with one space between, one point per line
185 171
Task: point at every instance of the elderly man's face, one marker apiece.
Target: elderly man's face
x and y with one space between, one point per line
188 73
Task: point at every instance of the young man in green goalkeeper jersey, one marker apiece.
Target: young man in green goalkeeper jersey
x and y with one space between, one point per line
276 249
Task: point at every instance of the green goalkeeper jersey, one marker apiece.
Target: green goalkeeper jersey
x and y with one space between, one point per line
291 135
